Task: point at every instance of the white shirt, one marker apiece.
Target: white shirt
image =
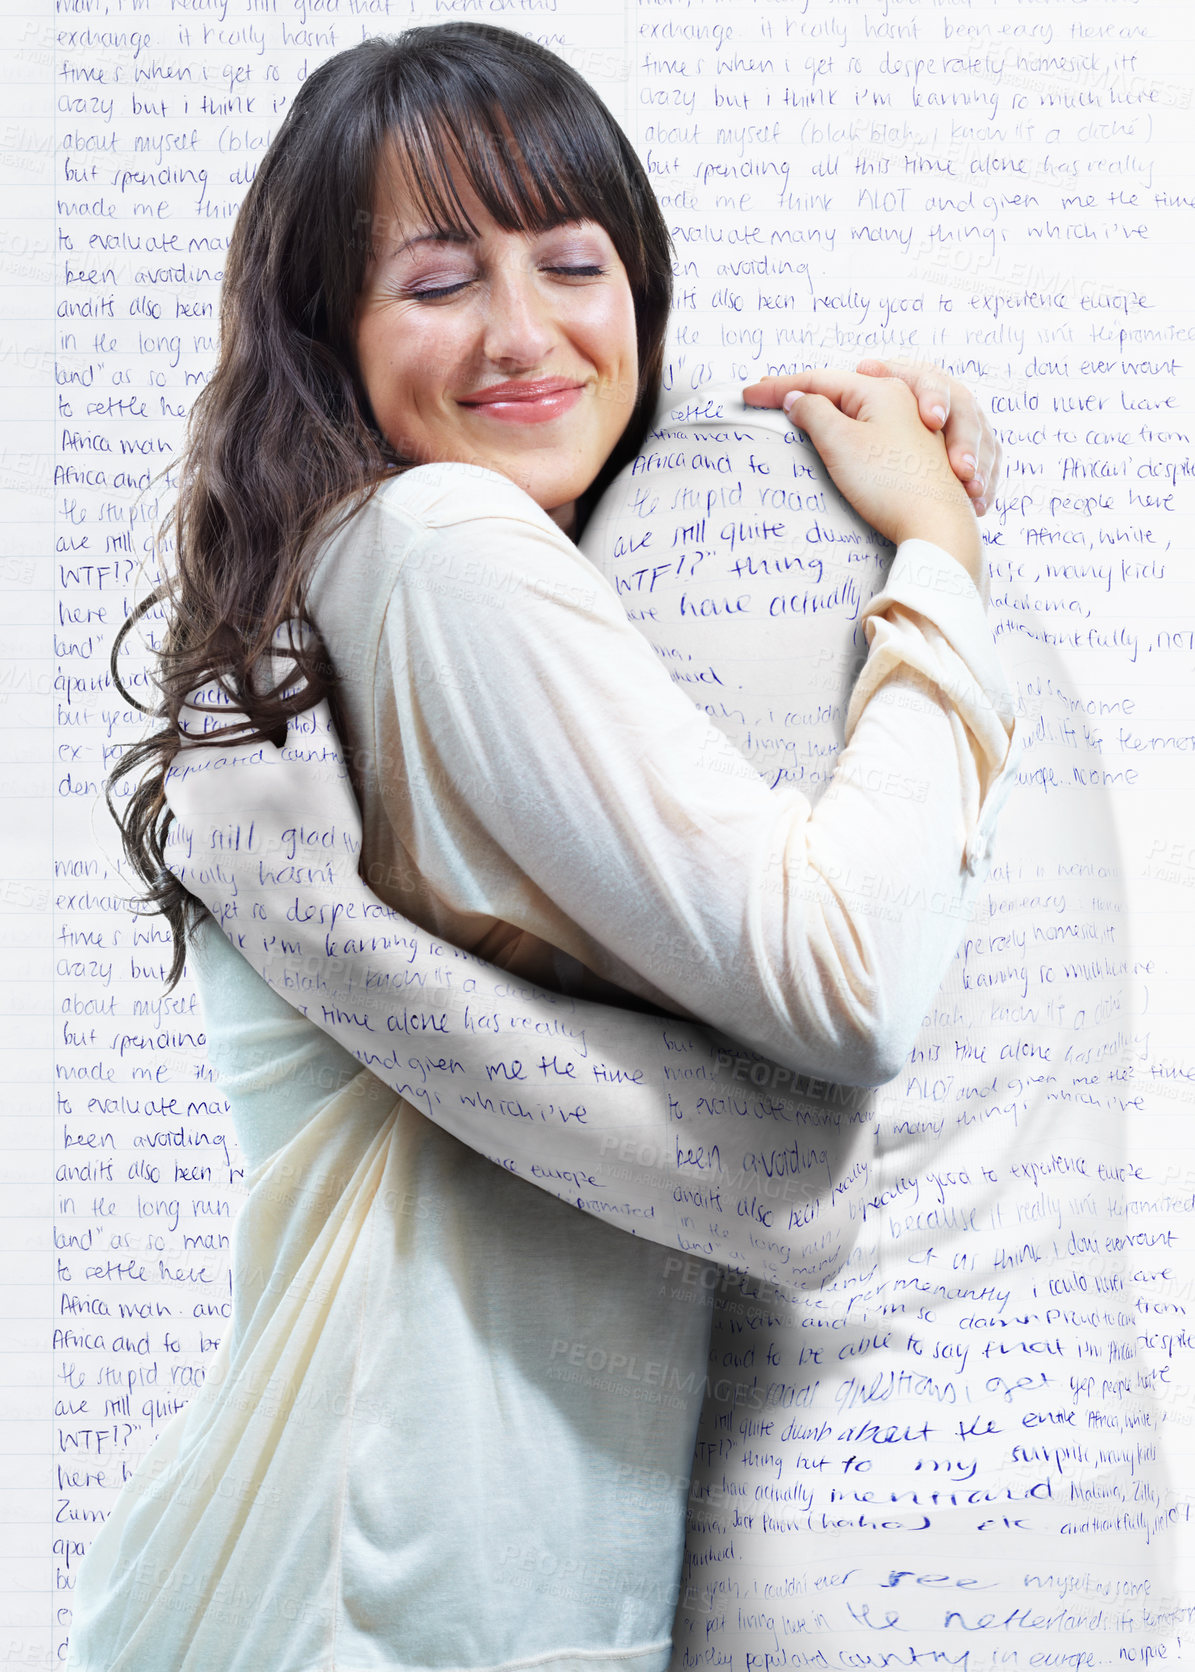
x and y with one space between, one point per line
532 781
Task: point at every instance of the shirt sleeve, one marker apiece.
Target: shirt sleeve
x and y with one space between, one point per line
555 741
660 1127
656 1126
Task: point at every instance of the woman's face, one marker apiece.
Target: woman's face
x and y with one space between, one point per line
512 350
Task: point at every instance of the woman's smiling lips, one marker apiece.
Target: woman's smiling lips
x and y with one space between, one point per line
525 403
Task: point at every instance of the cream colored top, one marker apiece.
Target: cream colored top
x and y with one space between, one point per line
533 783
451 1422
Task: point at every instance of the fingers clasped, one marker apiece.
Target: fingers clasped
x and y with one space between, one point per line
944 403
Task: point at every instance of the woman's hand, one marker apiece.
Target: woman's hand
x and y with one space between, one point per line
946 406
894 471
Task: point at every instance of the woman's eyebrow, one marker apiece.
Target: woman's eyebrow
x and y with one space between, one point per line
460 235
446 235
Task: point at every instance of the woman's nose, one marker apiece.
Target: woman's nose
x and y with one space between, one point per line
518 325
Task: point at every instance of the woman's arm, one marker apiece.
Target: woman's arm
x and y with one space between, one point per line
546 768
352 986
654 1125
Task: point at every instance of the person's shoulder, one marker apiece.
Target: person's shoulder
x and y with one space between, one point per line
428 512
474 536
432 497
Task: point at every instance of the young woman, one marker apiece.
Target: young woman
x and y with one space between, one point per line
451 257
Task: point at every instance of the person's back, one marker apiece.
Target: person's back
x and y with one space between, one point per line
948 1439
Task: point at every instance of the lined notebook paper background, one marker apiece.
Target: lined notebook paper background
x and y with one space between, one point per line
1006 189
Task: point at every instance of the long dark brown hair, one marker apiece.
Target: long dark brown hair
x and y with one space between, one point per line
281 445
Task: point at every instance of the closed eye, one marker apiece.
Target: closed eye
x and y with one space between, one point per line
587 270
434 294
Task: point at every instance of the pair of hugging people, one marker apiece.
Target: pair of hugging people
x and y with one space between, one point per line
452 1421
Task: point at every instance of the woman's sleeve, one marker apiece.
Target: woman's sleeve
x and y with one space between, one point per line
656 1126
653 1124
818 936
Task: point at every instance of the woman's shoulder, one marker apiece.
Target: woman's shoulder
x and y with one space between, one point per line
441 496
443 526
430 509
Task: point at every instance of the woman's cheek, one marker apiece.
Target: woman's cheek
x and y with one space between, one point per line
438 357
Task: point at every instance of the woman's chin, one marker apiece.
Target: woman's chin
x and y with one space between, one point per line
555 492
554 484
559 500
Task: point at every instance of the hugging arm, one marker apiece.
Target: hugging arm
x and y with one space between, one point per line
823 959
561 741
655 1125
532 716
